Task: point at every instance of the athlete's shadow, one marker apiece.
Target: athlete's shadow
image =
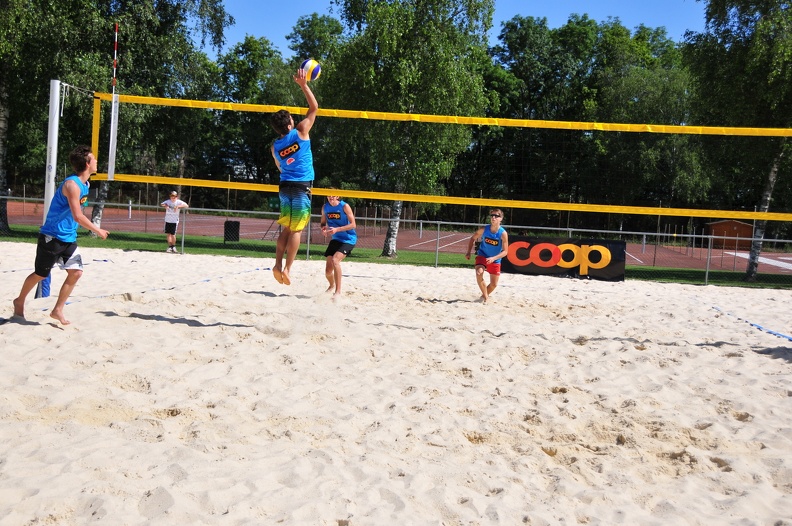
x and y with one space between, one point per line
778 353
273 295
263 293
181 321
18 321
437 300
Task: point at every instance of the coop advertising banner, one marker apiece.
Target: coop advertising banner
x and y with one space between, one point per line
581 258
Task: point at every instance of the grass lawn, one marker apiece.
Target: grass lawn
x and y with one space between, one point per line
150 242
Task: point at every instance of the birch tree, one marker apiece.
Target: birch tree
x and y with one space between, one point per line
742 66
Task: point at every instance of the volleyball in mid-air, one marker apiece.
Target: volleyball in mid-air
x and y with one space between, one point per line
312 69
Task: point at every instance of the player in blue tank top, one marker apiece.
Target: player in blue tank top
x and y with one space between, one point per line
493 246
57 242
338 221
293 157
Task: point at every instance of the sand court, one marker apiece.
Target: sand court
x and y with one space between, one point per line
196 389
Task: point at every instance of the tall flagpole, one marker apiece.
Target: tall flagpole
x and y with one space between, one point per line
115 56
114 113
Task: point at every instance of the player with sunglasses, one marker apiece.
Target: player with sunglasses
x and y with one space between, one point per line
493 246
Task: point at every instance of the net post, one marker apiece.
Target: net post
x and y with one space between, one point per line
97 112
43 288
709 258
113 137
52 145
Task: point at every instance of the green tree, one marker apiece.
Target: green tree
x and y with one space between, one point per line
599 72
643 81
410 57
531 58
481 170
547 74
40 41
158 57
315 37
72 40
253 72
743 74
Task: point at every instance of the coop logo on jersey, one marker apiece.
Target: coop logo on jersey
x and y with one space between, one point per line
289 150
490 241
333 215
84 200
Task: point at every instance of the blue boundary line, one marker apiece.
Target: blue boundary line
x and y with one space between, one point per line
756 325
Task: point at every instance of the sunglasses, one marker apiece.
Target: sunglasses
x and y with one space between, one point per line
495 215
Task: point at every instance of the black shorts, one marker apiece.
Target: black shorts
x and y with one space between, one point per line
337 246
170 228
51 251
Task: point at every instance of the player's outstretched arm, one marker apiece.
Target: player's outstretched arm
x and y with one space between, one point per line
305 125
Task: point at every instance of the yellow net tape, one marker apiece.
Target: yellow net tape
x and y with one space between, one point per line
455 119
474 201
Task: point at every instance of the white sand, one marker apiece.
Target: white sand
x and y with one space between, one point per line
197 390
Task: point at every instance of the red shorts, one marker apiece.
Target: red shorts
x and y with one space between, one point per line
492 268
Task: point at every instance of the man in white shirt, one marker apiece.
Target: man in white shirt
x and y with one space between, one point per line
172 213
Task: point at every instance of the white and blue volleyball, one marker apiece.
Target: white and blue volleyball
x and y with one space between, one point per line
312 69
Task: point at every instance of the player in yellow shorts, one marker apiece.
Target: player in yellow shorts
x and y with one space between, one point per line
292 154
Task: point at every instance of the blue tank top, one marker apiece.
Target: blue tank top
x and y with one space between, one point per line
60 223
491 243
336 217
295 157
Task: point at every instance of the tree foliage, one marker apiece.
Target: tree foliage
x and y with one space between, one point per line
742 64
589 71
412 57
253 72
315 37
72 41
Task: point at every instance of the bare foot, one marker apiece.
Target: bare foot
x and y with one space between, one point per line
278 275
58 315
19 308
331 288
285 277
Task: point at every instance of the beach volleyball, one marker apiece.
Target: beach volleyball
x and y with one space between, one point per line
312 69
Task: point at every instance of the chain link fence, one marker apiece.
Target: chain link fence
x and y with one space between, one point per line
697 257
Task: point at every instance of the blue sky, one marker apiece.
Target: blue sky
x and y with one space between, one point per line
260 19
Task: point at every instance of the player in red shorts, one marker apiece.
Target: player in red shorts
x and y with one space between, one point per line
493 246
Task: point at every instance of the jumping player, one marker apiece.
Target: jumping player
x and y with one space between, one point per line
293 157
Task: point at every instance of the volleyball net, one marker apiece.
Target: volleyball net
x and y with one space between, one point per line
482 201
